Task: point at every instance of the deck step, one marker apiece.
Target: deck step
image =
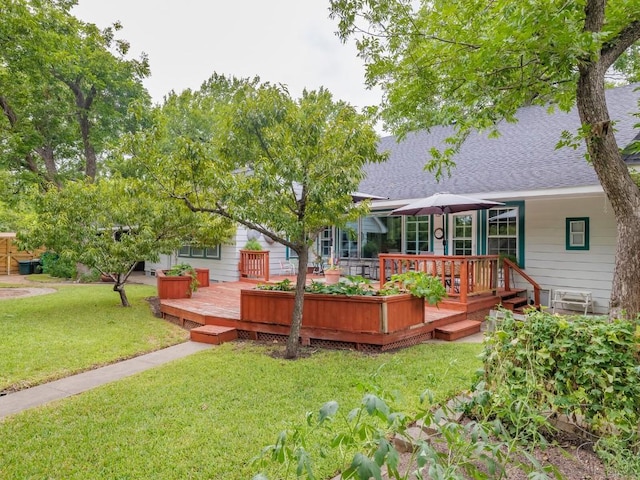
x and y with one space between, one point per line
514 303
457 330
512 293
213 334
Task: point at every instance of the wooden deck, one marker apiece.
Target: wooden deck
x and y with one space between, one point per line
219 304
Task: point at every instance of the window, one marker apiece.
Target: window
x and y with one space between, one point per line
349 241
577 233
325 242
199 252
380 234
502 231
462 235
417 235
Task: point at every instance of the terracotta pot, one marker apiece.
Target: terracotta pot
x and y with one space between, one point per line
331 277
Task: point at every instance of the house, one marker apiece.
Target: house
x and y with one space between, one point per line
555 220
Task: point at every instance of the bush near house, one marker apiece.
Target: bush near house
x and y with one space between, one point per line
584 371
54 265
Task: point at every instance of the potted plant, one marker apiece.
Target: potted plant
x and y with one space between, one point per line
179 281
253 245
332 272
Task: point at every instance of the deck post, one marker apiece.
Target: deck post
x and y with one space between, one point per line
464 280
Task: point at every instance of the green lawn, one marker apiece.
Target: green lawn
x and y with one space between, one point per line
206 416
46 337
203 417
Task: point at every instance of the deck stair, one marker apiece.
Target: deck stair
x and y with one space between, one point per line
213 334
515 300
457 330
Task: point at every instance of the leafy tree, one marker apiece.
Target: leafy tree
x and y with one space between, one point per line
65 90
113 224
250 153
475 63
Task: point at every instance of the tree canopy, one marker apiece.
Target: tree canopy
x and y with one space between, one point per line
111 225
249 152
66 89
473 63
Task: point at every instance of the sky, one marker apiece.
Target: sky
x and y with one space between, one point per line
282 41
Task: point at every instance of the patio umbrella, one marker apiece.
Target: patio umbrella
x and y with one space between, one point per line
359 196
440 203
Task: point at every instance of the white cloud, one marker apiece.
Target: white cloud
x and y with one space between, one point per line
285 41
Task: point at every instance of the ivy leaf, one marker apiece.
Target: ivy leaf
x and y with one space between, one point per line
363 467
375 406
327 410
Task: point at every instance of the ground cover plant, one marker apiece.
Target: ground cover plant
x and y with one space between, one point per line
545 380
418 284
207 416
583 370
77 328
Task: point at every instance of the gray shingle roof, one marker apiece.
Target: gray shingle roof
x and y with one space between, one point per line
523 158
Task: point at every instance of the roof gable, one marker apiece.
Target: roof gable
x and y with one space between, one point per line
523 158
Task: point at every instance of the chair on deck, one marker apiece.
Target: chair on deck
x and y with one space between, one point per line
447 275
287 268
318 267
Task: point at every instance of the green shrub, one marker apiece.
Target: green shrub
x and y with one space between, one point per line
253 244
91 276
586 368
418 284
56 266
184 269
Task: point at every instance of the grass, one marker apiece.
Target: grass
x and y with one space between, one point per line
78 327
207 415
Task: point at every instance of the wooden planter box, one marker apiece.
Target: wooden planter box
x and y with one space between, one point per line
173 287
203 277
359 314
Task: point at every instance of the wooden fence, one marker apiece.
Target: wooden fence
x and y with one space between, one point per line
10 254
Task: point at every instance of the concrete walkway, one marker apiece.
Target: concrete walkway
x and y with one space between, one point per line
65 387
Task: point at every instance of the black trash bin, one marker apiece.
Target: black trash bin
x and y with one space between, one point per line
25 267
36 266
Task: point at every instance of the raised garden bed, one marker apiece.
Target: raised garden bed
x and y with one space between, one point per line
361 314
173 286
202 274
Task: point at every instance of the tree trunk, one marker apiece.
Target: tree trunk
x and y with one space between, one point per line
293 343
51 170
83 106
618 186
119 287
91 162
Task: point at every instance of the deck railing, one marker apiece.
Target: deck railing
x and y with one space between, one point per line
481 271
254 264
508 265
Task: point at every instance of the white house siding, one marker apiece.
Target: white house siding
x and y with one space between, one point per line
550 264
165 262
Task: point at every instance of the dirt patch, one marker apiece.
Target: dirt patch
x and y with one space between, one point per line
7 293
154 305
567 456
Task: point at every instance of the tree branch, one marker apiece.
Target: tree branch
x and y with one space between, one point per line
220 210
8 111
615 47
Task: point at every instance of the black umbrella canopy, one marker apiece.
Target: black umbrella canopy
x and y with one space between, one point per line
440 203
